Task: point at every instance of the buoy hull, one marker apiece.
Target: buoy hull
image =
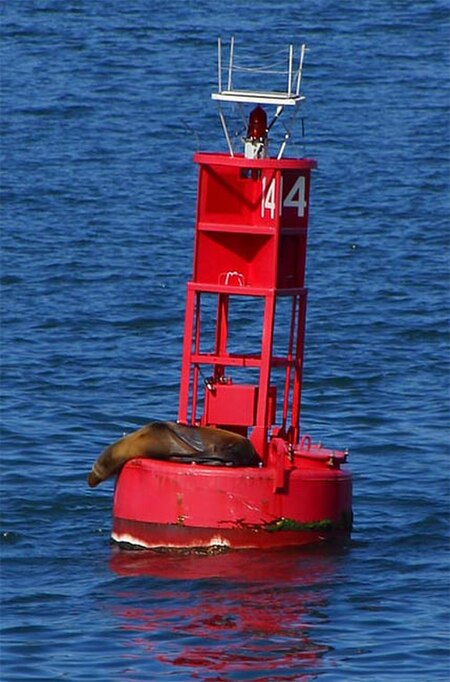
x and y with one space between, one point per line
169 505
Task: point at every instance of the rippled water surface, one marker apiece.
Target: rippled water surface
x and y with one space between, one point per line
104 104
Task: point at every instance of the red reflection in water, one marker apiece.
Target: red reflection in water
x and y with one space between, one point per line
248 613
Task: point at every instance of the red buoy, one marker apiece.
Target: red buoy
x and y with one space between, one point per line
250 247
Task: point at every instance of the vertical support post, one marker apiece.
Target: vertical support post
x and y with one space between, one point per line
196 367
259 435
186 355
296 398
221 332
288 373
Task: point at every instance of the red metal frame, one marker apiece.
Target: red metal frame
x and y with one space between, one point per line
250 240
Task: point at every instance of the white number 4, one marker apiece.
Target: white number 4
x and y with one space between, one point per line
294 199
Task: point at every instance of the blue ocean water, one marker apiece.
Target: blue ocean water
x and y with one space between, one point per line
103 106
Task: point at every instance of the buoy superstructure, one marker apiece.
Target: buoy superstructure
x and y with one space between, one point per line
250 249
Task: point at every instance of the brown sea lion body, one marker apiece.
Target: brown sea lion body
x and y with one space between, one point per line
178 443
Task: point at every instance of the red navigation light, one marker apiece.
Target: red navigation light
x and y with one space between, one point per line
257 124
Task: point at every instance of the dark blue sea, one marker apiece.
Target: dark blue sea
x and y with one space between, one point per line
103 106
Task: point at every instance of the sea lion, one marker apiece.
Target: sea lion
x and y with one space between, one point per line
177 443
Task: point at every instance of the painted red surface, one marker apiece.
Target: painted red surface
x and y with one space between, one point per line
177 505
250 241
250 244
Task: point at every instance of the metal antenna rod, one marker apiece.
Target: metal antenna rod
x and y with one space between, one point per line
291 57
230 66
219 63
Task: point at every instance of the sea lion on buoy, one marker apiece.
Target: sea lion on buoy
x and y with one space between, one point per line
176 443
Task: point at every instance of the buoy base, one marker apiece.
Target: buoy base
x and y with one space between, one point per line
141 535
301 500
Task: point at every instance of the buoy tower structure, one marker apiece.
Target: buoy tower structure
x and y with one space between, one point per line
250 249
